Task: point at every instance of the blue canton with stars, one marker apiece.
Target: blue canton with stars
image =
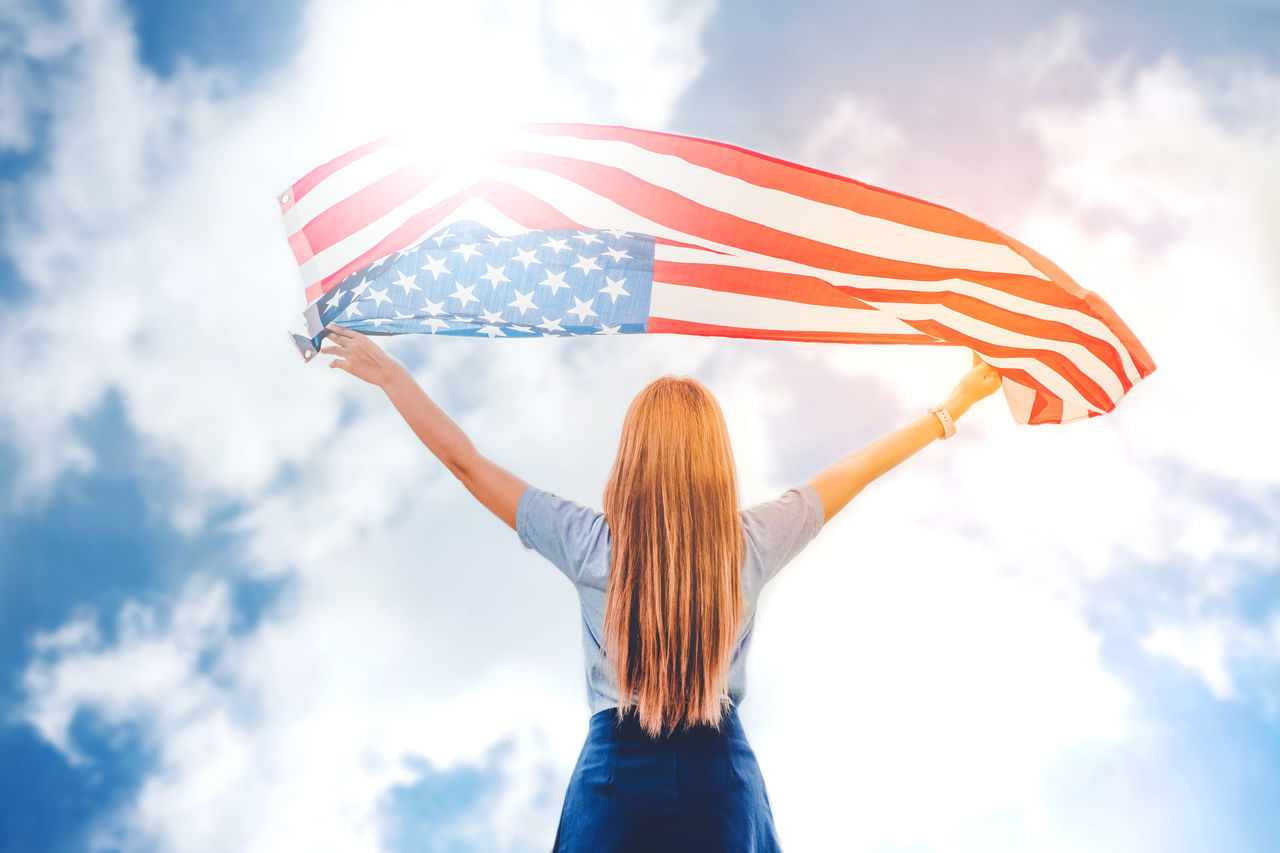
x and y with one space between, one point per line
467 280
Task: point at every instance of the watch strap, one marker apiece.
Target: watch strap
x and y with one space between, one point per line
948 424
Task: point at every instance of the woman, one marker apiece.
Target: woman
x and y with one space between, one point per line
668 576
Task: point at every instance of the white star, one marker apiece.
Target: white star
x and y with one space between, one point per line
434 308
464 294
581 308
440 238
520 328
617 254
526 258
495 239
586 265
400 316
353 307
614 288
495 276
435 323
359 288
523 301
333 300
587 238
491 316
435 266
378 321
467 250
379 296
555 281
558 245
550 325
492 331
609 330
617 233
406 281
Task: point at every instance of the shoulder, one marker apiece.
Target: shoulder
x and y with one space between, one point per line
800 505
568 533
779 529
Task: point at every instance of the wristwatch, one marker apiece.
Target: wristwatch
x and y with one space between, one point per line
948 425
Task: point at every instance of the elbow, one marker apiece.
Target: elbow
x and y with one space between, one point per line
463 465
459 468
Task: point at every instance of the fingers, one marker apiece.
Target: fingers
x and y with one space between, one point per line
341 332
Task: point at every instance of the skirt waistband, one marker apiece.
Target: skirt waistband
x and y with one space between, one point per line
606 724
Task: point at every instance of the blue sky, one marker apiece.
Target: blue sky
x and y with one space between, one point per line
241 607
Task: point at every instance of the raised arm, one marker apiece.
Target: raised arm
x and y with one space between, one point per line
494 486
838 484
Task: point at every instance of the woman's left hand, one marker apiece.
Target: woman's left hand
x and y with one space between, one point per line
359 356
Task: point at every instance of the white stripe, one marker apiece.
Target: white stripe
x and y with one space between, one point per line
1077 354
335 257
1079 320
474 210
702 305
481 211
583 205
1073 405
1019 397
350 179
291 221
1076 319
785 212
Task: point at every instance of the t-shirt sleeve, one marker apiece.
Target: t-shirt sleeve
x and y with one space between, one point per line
563 531
778 530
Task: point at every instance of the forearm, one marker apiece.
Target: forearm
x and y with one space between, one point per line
886 453
437 430
838 484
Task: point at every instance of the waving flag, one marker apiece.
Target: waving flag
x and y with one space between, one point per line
581 229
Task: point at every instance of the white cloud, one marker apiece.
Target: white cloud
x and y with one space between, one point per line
639 54
901 671
856 139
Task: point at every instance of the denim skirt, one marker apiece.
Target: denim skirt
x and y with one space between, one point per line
696 790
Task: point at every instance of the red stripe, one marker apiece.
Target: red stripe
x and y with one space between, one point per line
366 206
687 327
1056 362
1038 327
515 203
1098 307
1043 404
675 211
752 282
667 241
301 251
308 182
775 173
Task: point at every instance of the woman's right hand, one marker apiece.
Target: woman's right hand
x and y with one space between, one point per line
981 381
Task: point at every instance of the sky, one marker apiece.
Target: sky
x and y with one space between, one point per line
242 608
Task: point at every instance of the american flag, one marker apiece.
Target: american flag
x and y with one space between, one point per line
585 229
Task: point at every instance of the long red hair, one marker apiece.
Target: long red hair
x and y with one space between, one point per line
673 606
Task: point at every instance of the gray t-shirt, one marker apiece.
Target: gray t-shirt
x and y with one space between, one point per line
576 539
